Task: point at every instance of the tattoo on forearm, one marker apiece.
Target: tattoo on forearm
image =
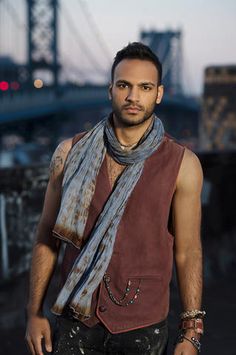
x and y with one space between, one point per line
57 161
55 165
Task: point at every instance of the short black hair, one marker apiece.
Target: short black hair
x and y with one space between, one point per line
137 50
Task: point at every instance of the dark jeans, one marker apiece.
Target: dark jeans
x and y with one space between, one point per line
73 338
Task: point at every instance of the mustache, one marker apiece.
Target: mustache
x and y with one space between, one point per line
133 106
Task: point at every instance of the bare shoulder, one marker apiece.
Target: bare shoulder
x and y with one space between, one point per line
190 175
59 158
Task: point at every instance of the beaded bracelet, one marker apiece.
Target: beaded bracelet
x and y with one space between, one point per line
195 342
192 314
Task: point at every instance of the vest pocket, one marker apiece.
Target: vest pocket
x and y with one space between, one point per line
145 282
151 289
153 301
135 301
134 288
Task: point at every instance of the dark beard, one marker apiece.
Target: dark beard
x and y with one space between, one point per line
128 122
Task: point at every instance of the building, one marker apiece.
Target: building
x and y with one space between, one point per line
218 118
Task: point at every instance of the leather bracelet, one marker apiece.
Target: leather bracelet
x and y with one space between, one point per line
195 342
195 324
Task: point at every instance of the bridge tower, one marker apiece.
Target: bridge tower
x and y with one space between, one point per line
167 46
42 39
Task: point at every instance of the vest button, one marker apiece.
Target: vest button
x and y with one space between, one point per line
102 308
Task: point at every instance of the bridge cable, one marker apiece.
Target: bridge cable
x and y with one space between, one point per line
79 40
14 15
65 61
95 29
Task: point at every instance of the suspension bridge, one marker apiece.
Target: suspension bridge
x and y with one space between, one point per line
49 66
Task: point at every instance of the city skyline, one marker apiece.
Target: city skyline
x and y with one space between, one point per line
207 29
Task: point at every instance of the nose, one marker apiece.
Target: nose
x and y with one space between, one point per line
133 95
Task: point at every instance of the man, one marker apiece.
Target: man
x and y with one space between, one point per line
123 197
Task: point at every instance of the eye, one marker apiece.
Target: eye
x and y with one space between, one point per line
122 85
146 88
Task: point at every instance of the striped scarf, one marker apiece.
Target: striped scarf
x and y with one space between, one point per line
81 169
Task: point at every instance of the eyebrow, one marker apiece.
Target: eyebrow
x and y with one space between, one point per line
142 83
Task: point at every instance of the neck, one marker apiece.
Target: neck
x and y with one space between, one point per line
129 136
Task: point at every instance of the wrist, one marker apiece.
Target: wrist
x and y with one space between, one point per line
192 314
195 325
191 328
32 311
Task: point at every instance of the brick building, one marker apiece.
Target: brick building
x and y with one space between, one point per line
218 118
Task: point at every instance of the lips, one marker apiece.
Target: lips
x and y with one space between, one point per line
132 109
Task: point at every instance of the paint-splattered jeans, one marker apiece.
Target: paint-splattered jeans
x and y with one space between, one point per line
74 338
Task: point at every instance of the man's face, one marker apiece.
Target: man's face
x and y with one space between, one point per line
135 91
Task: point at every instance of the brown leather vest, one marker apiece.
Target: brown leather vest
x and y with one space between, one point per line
140 269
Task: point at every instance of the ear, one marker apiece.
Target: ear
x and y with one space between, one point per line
160 93
110 91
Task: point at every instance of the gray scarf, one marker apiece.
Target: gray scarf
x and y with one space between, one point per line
81 169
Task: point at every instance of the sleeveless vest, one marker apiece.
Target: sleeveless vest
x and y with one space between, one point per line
136 291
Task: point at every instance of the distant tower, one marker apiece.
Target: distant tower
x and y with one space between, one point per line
42 38
218 118
167 46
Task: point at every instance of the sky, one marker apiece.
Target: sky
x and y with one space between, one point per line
208 32
208 27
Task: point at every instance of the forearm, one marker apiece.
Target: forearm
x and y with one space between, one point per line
43 263
189 273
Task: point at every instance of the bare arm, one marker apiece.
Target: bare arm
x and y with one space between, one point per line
188 250
45 254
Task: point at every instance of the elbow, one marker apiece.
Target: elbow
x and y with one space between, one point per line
193 255
45 237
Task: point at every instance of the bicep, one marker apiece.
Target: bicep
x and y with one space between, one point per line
186 211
